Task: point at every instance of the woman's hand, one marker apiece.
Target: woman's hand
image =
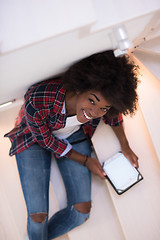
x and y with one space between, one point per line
95 167
130 155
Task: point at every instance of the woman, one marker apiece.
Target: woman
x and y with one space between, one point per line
59 116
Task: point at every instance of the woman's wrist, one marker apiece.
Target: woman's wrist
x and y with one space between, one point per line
85 161
78 157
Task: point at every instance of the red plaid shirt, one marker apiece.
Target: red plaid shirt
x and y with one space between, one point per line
41 114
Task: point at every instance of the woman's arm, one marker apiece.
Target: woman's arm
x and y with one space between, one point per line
38 126
126 150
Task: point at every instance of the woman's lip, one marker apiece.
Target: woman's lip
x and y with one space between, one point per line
85 115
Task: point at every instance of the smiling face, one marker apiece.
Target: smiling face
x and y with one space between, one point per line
90 105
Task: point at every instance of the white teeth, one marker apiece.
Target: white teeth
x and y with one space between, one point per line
86 116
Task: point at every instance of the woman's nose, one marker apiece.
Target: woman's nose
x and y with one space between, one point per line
95 112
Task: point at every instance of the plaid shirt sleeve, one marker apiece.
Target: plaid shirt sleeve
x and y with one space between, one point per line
38 127
116 121
89 127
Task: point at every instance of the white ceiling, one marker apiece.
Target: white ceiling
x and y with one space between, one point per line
40 39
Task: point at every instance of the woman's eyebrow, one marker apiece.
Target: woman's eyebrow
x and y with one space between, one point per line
95 97
108 106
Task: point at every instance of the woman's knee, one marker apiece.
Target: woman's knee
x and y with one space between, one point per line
38 217
83 207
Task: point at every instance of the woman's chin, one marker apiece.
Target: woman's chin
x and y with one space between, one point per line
82 119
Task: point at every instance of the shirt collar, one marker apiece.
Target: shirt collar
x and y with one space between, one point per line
64 108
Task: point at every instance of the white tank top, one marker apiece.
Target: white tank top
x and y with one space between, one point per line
72 125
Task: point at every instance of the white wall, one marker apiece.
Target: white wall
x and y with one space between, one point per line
149 91
36 45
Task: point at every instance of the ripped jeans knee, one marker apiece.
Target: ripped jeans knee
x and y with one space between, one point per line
38 217
79 218
80 215
37 226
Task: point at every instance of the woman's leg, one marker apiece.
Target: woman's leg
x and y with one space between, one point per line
77 180
34 170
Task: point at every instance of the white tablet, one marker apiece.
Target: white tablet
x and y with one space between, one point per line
120 173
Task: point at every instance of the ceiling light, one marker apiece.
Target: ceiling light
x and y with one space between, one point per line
123 42
10 104
3 105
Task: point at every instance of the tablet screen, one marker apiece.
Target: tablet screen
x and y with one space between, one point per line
120 172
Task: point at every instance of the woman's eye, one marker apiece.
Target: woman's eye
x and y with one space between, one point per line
91 101
104 109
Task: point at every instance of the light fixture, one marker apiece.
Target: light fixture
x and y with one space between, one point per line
10 104
6 104
122 41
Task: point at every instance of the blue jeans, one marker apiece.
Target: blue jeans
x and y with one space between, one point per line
34 170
